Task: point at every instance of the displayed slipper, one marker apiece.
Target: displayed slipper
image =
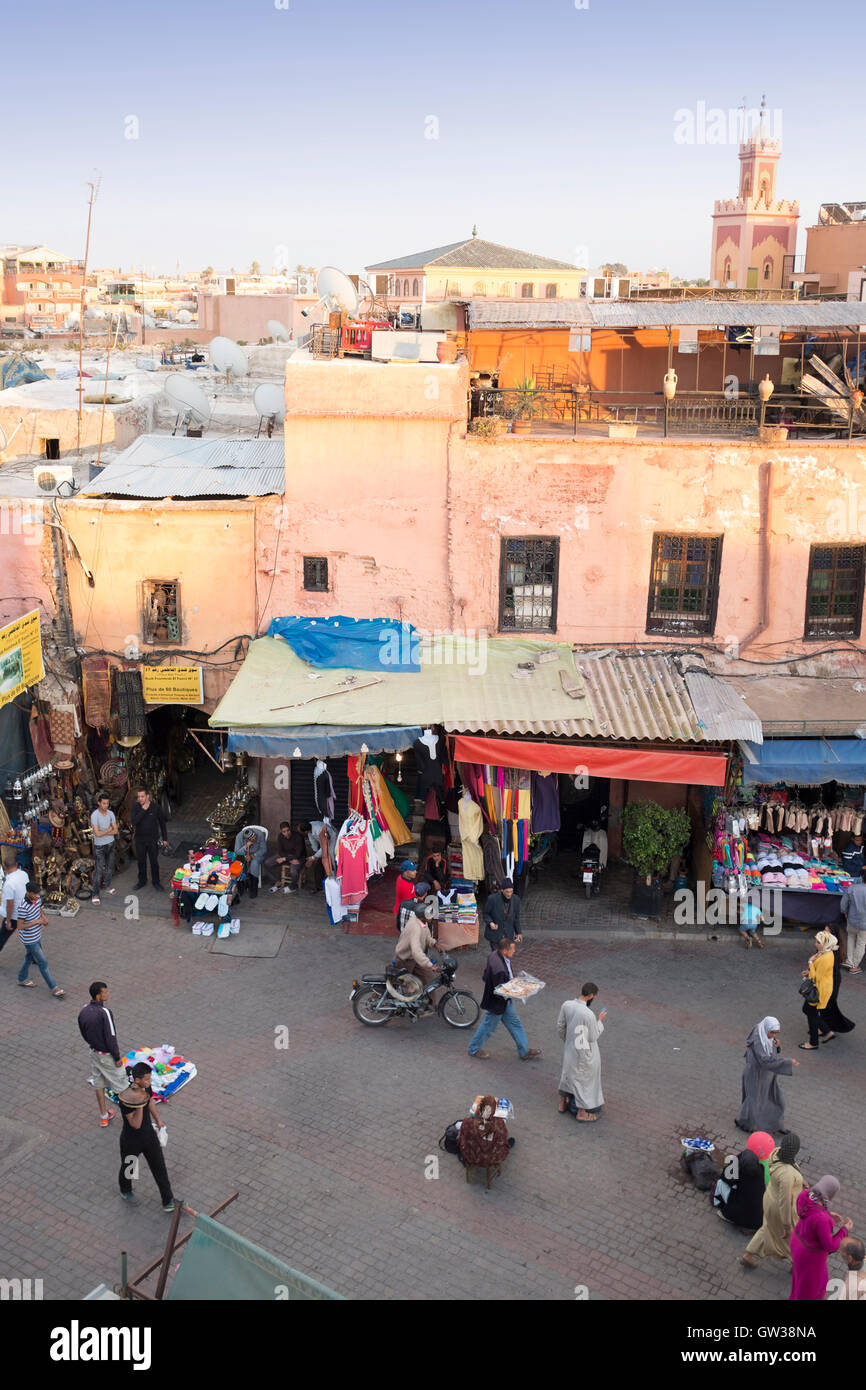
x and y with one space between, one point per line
200 901
224 930
207 929
196 928
235 926
223 906
211 902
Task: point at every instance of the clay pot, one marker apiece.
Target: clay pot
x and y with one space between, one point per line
521 426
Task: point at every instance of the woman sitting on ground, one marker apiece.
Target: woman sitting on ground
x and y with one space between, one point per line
740 1199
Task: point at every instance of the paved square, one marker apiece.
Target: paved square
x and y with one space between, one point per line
328 1141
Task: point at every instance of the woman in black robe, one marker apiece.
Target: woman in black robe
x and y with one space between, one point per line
831 1019
740 1200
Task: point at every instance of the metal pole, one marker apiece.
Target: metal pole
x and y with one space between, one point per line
93 190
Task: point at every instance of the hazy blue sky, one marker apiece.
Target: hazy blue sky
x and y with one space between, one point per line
306 128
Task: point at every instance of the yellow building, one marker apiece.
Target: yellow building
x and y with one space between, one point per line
474 269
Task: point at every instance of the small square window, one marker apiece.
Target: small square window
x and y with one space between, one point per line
316 574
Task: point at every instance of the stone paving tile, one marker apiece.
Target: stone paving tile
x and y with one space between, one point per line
327 1142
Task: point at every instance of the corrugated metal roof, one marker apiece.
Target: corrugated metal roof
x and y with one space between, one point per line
530 313
158 466
628 698
625 313
473 254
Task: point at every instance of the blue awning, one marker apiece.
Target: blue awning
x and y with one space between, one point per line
320 740
805 762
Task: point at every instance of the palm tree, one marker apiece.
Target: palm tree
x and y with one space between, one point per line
255 268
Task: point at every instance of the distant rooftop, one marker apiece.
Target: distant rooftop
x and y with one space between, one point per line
831 213
642 313
473 254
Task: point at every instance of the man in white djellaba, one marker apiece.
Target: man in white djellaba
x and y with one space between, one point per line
581 1059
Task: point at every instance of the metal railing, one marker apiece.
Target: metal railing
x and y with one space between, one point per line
576 411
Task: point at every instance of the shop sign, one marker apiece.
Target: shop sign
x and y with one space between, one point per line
172 685
20 656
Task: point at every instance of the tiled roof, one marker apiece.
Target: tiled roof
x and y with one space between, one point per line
473 254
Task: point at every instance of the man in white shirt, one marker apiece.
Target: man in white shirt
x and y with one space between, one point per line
14 888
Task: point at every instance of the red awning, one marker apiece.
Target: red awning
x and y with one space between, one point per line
636 764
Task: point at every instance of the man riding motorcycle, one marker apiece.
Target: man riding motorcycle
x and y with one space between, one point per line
415 940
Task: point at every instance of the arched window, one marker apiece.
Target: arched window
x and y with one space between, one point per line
727 274
415 287
479 288
768 268
551 292
765 191
505 289
526 291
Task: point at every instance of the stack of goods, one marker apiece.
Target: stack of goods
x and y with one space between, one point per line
458 905
521 987
781 866
211 878
504 1108
170 1071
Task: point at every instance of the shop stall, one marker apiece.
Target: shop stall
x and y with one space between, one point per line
792 808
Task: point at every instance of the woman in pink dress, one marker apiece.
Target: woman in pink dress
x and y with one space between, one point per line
817 1234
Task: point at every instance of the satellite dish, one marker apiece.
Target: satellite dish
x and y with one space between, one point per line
188 399
184 316
336 290
269 400
278 330
227 357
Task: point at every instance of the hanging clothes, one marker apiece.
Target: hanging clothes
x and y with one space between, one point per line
353 861
400 832
545 802
429 760
355 770
491 849
471 824
323 791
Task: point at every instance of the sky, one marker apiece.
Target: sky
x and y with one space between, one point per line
330 131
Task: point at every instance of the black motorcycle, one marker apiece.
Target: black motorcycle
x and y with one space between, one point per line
590 870
376 999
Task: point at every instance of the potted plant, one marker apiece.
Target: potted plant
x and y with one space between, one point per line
527 405
651 836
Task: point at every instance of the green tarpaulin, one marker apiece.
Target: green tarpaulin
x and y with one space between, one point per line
221 1266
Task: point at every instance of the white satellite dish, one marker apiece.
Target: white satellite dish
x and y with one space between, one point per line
227 357
336 293
188 399
269 400
278 330
184 316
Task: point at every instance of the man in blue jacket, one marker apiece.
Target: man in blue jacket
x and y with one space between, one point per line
498 1009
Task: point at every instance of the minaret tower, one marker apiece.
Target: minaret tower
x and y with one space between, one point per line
753 232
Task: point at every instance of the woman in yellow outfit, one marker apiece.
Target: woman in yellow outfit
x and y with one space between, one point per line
820 972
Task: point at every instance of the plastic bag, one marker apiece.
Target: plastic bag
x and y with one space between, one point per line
162 1136
522 987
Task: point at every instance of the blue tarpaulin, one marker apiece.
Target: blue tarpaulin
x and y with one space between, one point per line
19 371
807 762
362 644
320 741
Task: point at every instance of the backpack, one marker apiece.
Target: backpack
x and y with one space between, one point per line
448 1143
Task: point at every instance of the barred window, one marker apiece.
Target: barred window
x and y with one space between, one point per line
684 584
834 591
528 583
316 573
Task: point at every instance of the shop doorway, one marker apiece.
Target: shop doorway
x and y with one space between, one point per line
187 784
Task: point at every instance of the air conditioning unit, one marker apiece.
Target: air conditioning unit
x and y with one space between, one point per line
49 476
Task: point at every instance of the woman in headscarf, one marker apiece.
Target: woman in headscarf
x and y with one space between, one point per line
779 1206
740 1199
763 1106
483 1140
832 1019
820 971
762 1145
817 1234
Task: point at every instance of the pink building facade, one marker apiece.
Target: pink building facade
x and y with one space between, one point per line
754 232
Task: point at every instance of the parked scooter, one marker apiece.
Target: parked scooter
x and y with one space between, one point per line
590 870
376 999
